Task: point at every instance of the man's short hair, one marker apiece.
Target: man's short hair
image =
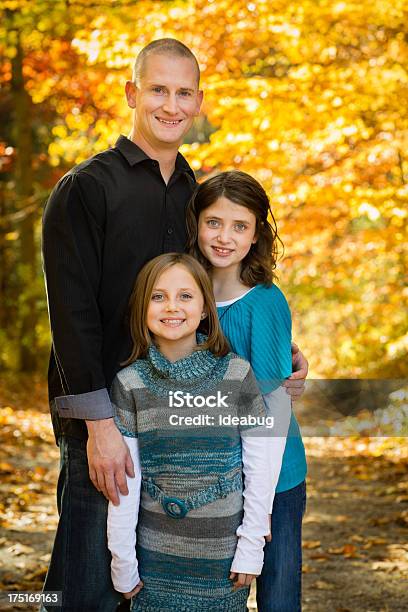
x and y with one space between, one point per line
162 46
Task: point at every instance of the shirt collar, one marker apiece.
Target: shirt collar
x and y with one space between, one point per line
130 151
134 154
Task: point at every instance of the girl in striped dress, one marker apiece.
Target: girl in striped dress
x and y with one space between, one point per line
232 232
195 423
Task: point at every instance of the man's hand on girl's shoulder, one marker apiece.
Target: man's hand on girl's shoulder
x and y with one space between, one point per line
295 384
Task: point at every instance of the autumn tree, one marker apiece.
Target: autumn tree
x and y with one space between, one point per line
45 94
308 96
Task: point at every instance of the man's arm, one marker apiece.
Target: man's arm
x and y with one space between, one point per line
73 239
72 245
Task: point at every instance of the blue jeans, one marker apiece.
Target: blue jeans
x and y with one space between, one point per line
279 587
80 560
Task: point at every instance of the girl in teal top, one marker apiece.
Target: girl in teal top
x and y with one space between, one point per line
231 235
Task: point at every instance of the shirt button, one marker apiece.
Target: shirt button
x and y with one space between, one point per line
169 230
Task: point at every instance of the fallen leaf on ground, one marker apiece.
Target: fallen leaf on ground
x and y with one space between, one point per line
341 518
336 551
311 544
39 574
357 538
374 542
20 549
323 586
349 550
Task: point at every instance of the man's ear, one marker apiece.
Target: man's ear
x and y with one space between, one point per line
200 95
131 91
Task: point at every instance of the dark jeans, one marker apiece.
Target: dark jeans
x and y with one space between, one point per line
80 561
279 587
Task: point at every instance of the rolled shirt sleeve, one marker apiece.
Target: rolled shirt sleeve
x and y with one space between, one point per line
91 406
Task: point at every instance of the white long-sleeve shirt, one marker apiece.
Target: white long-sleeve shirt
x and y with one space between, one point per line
262 453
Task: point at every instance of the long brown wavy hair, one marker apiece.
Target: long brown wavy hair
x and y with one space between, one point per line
259 264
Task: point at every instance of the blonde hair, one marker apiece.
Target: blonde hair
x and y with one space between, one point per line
141 296
163 46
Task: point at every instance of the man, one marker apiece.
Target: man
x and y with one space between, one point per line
104 220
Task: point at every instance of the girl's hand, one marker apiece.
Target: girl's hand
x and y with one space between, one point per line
134 592
241 580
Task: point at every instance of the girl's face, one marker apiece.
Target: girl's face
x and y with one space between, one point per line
226 231
176 307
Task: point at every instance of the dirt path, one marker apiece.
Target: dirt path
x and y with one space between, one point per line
355 532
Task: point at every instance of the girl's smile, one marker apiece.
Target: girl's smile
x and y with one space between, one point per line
222 252
172 322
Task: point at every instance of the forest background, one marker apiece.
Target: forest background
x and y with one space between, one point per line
309 96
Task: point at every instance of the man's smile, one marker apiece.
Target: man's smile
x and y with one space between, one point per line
169 122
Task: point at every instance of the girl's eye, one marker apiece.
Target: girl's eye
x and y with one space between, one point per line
157 297
186 296
240 227
212 223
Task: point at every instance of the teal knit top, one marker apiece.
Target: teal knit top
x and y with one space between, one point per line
259 329
191 502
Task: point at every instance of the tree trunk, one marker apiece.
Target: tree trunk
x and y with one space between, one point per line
2 265
24 186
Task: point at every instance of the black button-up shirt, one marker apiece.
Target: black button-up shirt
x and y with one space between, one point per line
103 221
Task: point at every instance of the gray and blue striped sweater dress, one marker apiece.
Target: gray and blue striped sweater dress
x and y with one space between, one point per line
191 500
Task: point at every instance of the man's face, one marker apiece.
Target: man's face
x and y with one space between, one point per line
166 100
